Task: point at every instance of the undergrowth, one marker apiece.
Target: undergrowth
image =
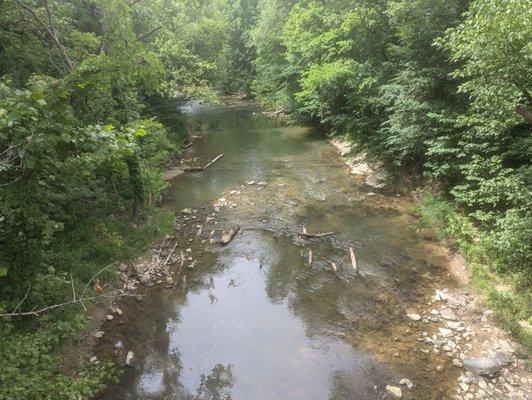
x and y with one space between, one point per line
506 290
30 347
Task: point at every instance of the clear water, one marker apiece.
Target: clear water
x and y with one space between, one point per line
256 321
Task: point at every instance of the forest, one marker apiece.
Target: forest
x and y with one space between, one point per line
439 91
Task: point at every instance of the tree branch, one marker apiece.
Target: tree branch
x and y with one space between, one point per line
66 303
49 29
149 33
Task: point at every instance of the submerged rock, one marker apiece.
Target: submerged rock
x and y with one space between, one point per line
407 382
395 391
129 358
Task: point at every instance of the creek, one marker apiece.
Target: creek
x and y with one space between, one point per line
260 319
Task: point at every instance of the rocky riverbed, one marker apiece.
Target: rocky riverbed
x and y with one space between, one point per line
286 277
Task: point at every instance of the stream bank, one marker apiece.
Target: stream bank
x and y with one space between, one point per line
277 315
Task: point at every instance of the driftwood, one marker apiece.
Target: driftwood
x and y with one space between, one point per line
228 236
315 235
185 144
199 169
309 257
353 259
170 254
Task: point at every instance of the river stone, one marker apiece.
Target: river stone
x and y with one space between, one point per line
504 357
397 392
99 334
129 358
414 317
448 314
407 382
446 333
483 365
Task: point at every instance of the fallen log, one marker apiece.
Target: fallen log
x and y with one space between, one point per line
199 169
228 236
315 235
353 259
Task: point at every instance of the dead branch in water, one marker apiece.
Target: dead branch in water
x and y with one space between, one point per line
186 144
315 235
353 259
199 169
309 257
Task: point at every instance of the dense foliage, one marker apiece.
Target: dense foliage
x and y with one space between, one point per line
440 88
81 161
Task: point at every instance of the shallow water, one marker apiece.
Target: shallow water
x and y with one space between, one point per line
256 320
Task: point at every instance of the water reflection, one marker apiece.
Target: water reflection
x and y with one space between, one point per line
256 321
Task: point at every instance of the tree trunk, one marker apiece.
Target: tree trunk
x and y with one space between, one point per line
137 187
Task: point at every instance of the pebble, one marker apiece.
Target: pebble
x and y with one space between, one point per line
406 382
109 317
129 358
414 317
446 333
448 314
99 334
394 390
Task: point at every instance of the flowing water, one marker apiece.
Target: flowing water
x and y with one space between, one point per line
260 319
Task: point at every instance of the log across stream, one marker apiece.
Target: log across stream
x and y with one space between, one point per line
254 319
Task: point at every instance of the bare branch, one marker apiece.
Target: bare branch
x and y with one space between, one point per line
94 277
35 312
149 33
24 298
49 29
171 252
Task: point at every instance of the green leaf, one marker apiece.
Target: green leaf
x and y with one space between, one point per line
140 132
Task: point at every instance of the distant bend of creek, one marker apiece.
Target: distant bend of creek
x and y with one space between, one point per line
260 319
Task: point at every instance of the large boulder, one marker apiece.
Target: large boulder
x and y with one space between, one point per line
485 365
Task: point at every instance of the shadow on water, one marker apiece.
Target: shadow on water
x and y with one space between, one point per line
256 321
